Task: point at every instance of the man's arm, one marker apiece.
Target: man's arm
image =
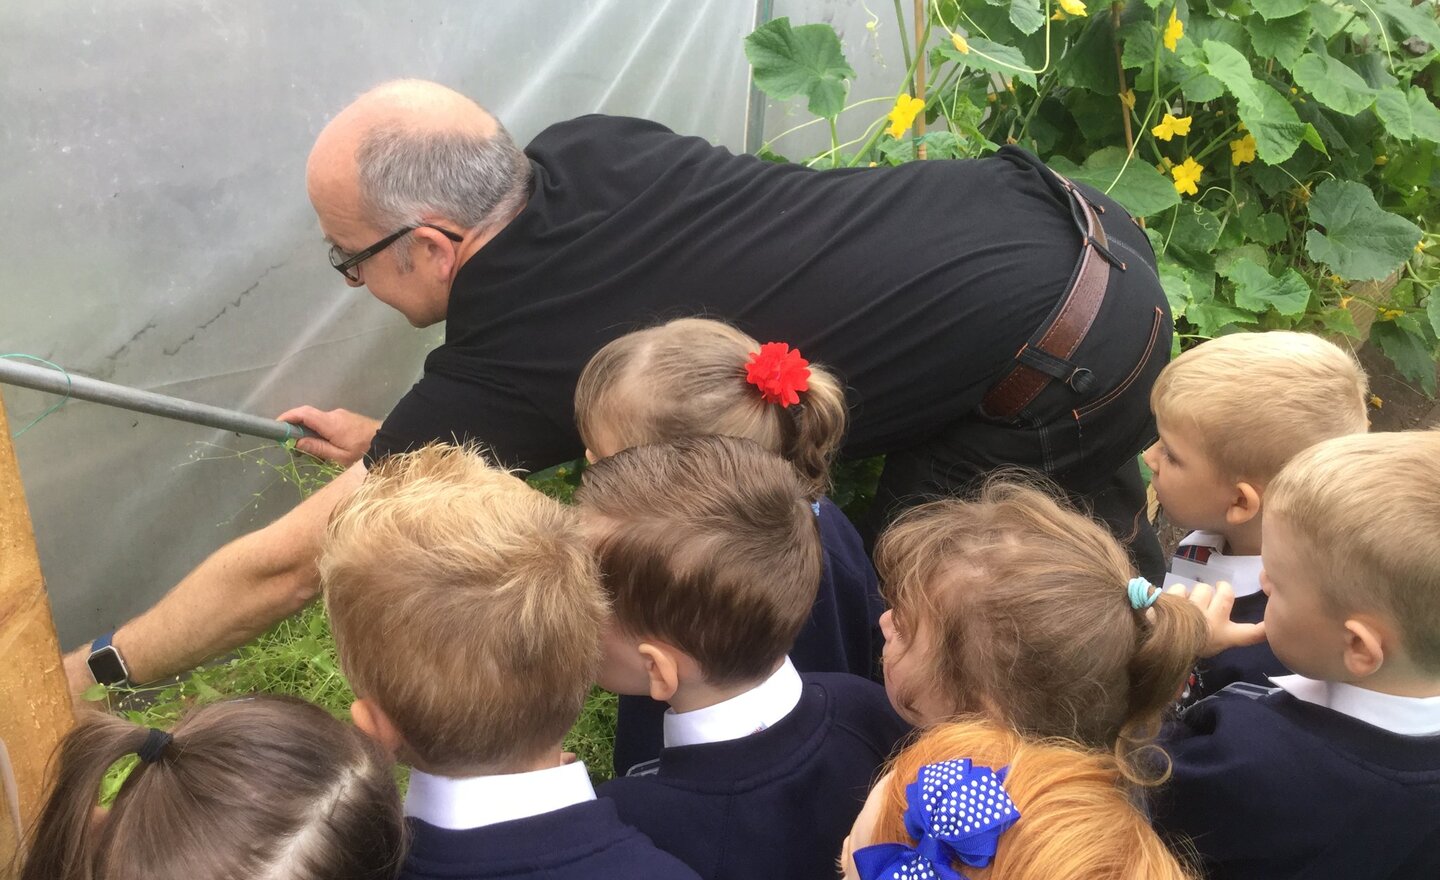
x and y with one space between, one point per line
231 597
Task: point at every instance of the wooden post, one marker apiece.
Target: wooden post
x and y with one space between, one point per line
35 706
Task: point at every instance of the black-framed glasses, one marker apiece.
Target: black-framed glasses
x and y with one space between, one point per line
345 264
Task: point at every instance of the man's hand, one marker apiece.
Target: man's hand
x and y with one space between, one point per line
1215 603
341 435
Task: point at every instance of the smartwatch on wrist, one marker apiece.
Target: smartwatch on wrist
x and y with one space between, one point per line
105 662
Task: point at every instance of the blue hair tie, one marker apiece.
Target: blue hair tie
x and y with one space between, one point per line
1142 594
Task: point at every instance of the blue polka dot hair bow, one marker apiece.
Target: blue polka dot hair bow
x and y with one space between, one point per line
956 811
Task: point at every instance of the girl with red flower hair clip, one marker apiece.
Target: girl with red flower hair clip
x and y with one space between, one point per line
695 377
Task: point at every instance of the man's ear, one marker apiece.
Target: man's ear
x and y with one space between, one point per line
435 253
374 723
662 664
1364 647
1244 506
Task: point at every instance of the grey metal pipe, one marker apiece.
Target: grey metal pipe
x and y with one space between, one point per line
25 375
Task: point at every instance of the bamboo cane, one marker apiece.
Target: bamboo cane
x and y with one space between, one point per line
35 707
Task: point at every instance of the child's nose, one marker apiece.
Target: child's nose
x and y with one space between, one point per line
1150 456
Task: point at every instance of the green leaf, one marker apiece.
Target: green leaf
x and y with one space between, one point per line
1193 236
1312 137
1411 21
1279 8
1280 38
1408 350
1408 115
94 693
1140 188
204 690
1090 60
1002 59
938 145
806 60
1432 311
1256 289
1231 68
1277 128
1333 84
1361 241
1210 318
1339 321
1026 15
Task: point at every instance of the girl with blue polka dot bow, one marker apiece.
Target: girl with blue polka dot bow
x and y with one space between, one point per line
973 800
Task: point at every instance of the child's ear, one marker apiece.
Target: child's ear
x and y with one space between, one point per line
1364 647
662 664
1244 506
374 723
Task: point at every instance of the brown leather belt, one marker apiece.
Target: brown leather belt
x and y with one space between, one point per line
1046 356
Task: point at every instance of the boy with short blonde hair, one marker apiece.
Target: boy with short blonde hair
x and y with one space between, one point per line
467 609
1336 772
712 559
1231 412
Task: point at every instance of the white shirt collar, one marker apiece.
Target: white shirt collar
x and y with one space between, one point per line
751 712
476 801
1408 716
1242 573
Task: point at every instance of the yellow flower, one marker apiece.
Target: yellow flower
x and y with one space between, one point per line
990 97
903 114
1059 16
1391 314
1344 300
1242 150
1240 126
1174 30
960 44
1375 401
1171 126
1074 7
1381 160
1127 98
1186 175
1420 246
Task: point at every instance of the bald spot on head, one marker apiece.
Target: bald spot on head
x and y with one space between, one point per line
332 171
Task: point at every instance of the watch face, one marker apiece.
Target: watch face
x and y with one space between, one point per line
107 667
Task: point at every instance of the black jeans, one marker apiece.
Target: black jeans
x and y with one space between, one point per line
1086 443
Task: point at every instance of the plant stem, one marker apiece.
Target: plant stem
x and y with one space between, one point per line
1120 70
904 39
834 142
869 144
1210 147
920 15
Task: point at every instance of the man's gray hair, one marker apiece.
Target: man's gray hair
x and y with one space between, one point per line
467 178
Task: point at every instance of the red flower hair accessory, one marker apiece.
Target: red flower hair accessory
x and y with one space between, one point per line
779 372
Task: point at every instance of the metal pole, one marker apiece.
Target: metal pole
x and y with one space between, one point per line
23 375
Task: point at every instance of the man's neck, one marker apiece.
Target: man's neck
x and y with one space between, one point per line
549 759
472 244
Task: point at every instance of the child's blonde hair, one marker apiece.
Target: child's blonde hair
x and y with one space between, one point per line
1253 400
252 787
686 378
1075 818
1023 605
466 605
1367 509
709 544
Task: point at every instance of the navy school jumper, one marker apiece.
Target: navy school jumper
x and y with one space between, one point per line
585 841
1269 786
775 804
842 634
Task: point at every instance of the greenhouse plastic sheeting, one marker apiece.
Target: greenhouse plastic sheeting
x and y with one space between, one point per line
156 232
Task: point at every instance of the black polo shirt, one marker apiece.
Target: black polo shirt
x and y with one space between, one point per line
915 284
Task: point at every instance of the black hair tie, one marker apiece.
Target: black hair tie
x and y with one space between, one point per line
153 748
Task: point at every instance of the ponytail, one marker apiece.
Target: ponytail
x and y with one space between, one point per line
66 840
688 378
1169 637
819 426
260 786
